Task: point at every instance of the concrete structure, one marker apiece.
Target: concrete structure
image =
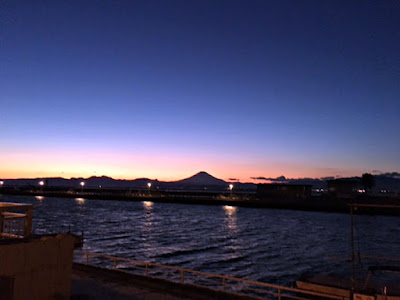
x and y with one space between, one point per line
36 268
32 267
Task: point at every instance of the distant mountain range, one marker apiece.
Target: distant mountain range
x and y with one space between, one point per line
199 181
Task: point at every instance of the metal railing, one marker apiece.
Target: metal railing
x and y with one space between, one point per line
204 279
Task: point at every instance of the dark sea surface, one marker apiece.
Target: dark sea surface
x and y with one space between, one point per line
269 245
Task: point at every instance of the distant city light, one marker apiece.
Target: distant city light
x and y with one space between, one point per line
1 183
82 183
39 198
231 186
361 191
149 184
41 183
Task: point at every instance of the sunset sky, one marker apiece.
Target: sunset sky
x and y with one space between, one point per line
164 89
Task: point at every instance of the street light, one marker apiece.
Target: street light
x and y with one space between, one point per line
149 186
82 185
1 184
231 188
41 184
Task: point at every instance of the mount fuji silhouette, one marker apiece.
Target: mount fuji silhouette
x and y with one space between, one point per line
202 178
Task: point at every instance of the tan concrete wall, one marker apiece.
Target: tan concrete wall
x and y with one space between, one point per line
41 267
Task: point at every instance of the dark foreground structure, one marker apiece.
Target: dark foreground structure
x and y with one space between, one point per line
32 267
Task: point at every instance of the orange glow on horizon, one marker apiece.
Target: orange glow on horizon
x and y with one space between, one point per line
166 167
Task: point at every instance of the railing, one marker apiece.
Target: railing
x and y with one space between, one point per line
15 224
205 279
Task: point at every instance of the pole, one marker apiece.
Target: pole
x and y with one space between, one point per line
353 267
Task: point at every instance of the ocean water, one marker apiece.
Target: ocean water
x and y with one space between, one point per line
269 245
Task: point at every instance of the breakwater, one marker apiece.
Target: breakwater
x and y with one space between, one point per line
321 203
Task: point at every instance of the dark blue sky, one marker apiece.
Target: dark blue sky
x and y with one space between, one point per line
168 88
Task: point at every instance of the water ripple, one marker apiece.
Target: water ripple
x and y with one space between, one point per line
276 246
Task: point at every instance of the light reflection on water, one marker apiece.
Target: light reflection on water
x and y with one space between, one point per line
148 215
231 219
258 244
80 200
147 223
148 204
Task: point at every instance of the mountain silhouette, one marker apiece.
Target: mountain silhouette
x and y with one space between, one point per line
202 178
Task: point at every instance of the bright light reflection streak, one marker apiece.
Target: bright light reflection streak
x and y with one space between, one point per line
39 198
148 204
231 218
80 200
148 222
230 210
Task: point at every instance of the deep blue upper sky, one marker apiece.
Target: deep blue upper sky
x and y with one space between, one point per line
166 88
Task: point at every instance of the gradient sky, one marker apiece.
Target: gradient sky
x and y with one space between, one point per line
164 89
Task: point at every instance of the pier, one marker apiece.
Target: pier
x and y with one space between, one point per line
240 199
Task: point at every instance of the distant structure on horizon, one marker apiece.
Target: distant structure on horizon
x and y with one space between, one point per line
344 188
283 193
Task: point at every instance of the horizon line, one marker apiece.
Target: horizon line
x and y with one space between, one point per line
230 180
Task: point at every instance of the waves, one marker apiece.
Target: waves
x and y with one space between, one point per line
276 246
